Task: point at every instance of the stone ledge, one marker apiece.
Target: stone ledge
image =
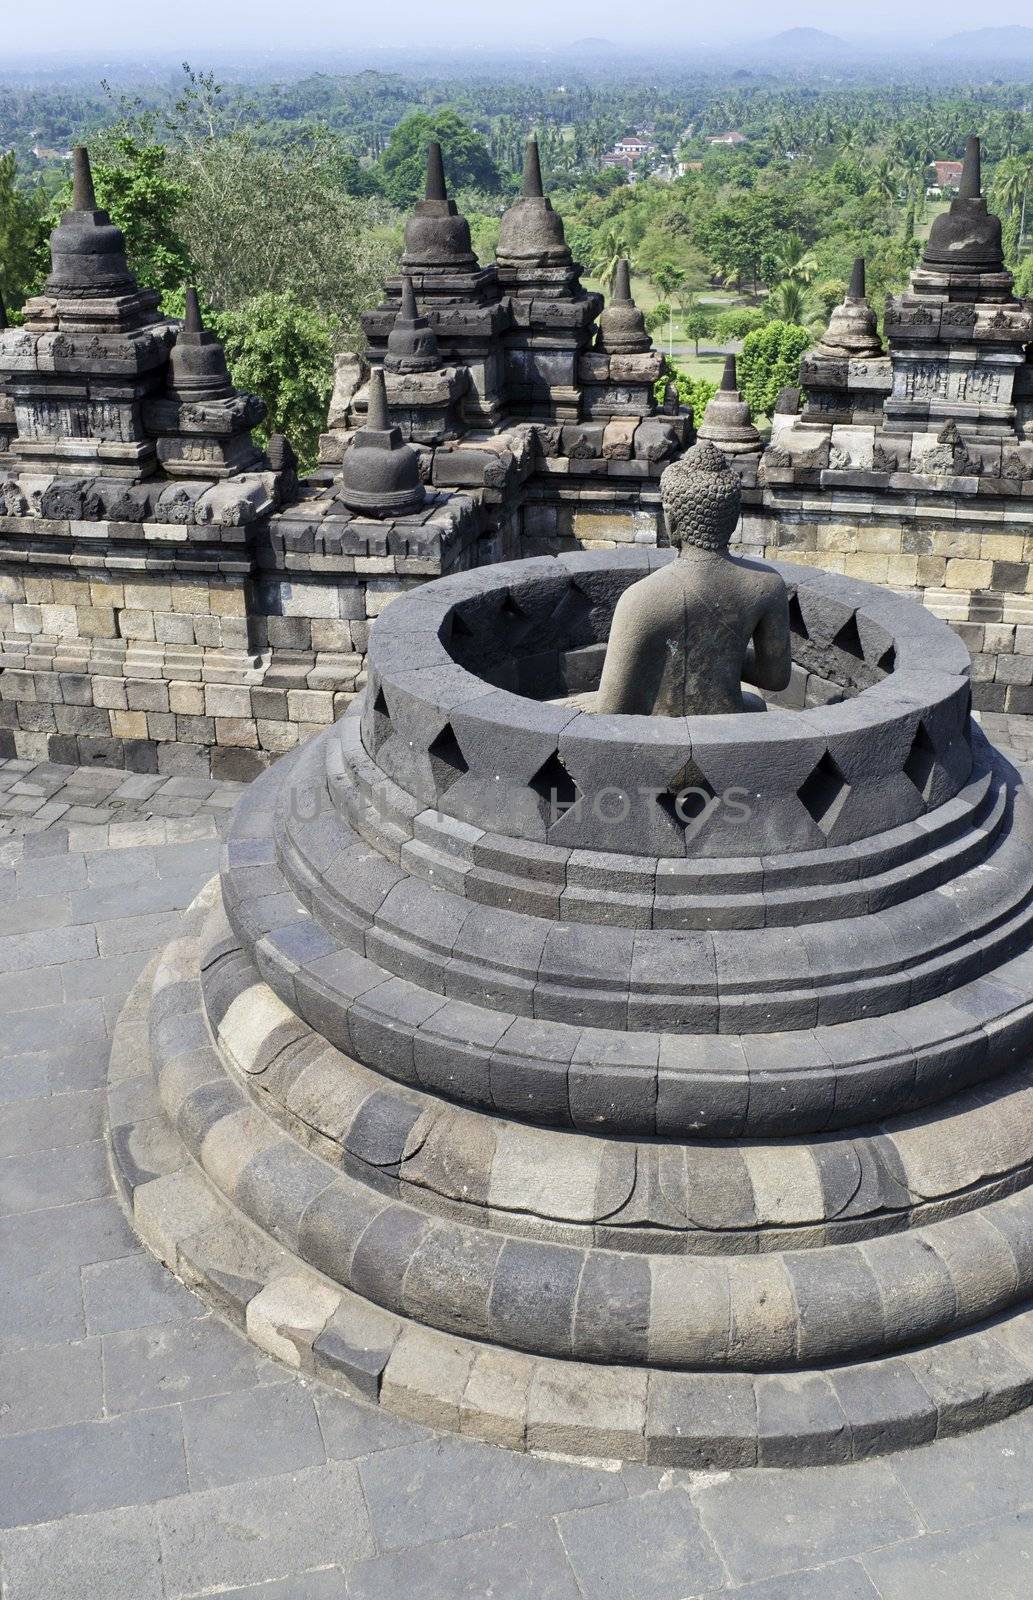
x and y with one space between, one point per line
692 1420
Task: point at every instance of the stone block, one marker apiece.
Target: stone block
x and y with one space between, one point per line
290 1313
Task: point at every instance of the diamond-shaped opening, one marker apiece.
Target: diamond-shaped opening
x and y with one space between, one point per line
447 762
824 793
920 765
797 623
687 796
383 727
888 659
570 614
460 629
553 784
849 640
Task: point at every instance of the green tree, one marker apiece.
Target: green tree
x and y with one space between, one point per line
466 157
285 225
136 184
283 351
610 247
737 323
770 361
1024 278
695 393
21 236
699 324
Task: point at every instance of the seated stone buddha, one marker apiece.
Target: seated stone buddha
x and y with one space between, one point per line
684 639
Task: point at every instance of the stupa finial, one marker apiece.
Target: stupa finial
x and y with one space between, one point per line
971 186
83 197
531 189
435 172
376 416
621 292
192 320
408 310
729 377
856 290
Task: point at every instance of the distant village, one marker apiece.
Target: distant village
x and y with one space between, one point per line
638 155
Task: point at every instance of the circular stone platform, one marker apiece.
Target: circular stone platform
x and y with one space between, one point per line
641 1087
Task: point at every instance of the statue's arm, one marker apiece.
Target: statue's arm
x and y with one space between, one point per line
633 664
768 663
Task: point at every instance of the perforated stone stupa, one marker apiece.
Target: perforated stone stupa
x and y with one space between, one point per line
621 1085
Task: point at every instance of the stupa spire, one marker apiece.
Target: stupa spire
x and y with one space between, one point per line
192 320
971 186
411 344
377 417
437 238
408 312
531 189
3 314
380 475
622 327
621 292
726 423
435 173
853 329
83 197
965 241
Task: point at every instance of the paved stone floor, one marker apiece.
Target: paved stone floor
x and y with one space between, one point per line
147 1451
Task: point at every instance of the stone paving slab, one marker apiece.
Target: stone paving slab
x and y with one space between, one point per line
148 1453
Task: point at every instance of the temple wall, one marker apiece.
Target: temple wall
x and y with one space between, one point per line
970 563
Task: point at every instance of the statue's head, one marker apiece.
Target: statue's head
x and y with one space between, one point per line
702 499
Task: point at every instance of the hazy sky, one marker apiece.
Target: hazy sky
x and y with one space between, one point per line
101 27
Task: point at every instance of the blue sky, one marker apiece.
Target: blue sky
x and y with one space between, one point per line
116 27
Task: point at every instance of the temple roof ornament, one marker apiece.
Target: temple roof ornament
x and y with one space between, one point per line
437 238
411 345
967 237
197 363
853 329
531 230
622 326
380 475
87 250
726 421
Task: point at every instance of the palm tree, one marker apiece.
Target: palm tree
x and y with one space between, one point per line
792 301
668 281
611 247
795 260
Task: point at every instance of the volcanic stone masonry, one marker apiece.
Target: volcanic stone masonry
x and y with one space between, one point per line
653 1087
172 598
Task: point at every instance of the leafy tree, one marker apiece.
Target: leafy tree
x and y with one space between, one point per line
465 155
136 183
21 236
1024 278
737 323
770 361
699 324
282 350
285 225
694 392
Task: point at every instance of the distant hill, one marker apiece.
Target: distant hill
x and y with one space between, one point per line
594 46
987 44
806 41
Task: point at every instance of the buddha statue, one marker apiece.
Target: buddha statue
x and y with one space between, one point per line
685 638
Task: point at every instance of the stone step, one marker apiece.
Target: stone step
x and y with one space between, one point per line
693 1420
803 1307
674 1198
